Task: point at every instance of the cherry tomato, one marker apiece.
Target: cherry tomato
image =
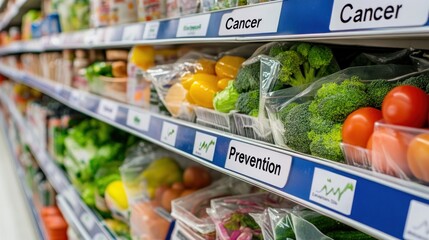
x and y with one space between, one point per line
418 157
406 106
388 151
359 126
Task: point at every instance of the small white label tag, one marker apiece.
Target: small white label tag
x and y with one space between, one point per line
169 133
258 19
138 120
417 224
204 146
151 30
74 98
258 163
333 190
107 109
87 220
132 32
195 26
348 15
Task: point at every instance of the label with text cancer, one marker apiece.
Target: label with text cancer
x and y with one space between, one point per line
169 133
258 19
333 190
193 26
204 146
347 15
107 109
258 163
417 224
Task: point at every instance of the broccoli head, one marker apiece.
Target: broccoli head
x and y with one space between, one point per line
303 49
319 125
327 145
319 58
420 81
377 90
337 107
297 125
276 50
248 78
353 82
248 102
282 114
290 72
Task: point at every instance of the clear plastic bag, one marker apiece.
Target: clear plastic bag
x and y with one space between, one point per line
231 214
191 210
326 145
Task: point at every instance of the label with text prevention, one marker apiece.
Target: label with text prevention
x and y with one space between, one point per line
204 146
349 15
169 133
150 30
107 109
333 190
195 26
138 120
258 163
258 19
417 224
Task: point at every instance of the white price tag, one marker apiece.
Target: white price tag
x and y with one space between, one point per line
99 35
417 224
87 220
72 197
258 163
204 146
74 98
169 133
150 30
333 190
109 35
257 19
108 109
132 32
89 36
348 15
138 120
195 26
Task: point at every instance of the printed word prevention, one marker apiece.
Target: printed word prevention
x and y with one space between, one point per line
263 164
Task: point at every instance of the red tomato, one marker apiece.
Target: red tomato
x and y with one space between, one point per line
406 106
418 157
388 151
359 126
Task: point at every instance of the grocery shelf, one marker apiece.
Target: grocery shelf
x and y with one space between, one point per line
357 197
13 16
316 20
36 220
75 210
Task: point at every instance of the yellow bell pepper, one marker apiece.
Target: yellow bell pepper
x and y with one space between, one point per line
143 56
187 80
116 192
203 89
205 65
223 83
227 66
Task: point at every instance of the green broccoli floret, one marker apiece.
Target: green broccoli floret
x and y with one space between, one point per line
297 125
248 78
304 63
319 57
319 125
328 145
334 102
420 81
276 50
285 111
248 102
337 107
377 90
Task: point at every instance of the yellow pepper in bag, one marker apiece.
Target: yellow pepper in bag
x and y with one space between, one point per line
223 83
203 89
187 80
205 65
227 66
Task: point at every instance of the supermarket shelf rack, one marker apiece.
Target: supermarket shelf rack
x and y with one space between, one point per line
402 23
73 208
365 202
36 220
